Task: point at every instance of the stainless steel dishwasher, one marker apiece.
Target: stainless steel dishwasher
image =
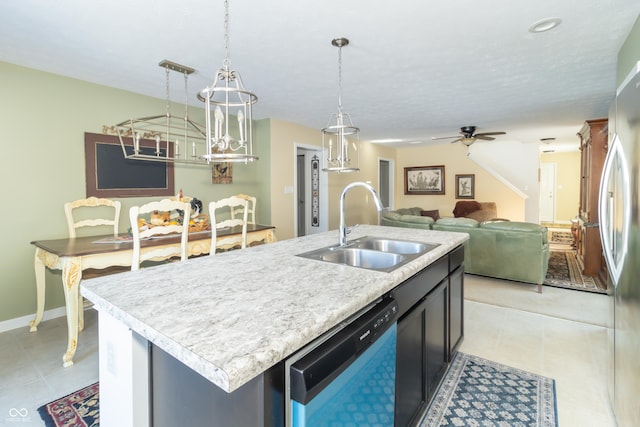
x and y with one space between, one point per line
346 377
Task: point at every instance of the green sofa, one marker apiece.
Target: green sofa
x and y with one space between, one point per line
504 249
408 218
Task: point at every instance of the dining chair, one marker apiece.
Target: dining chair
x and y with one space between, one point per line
89 213
251 208
91 204
234 204
143 226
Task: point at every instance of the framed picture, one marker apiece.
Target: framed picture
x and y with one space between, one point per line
465 186
222 173
424 180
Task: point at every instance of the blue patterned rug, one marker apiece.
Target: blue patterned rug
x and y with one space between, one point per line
479 392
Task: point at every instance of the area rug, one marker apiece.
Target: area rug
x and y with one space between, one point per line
564 237
78 409
564 272
479 392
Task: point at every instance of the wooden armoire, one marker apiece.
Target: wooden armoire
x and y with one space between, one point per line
593 147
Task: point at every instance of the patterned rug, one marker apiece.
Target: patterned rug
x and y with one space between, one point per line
78 409
564 272
479 392
564 237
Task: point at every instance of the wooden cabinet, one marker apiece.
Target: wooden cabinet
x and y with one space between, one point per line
593 147
430 329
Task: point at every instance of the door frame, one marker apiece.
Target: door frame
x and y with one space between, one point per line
392 183
324 188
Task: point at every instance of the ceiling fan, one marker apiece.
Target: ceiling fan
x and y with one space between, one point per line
469 136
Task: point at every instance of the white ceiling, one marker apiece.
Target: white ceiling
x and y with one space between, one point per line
413 70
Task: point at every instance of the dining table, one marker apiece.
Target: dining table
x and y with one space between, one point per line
73 255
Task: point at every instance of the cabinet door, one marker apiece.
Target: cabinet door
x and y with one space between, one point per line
456 311
411 393
435 338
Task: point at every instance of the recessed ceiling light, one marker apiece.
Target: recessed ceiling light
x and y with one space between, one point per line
545 24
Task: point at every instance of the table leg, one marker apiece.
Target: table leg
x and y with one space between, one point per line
39 269
271 237
71 275
80 311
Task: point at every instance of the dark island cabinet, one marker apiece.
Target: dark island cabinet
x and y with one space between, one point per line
456 300
430 329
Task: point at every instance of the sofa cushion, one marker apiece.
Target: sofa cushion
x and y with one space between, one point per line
465 207
458 222
416 219
435 214
512 226
392 215
409 211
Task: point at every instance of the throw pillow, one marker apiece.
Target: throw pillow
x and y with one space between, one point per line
435 214
464 208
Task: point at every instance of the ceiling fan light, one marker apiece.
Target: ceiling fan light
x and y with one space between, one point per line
467 141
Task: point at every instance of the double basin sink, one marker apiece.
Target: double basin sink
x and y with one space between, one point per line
372 253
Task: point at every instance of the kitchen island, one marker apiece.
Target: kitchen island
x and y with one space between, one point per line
233 317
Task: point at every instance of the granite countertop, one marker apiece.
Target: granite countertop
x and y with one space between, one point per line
232 316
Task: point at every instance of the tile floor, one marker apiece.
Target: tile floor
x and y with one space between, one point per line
559 334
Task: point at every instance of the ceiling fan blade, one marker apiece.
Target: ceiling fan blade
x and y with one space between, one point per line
456 140
484 137
490 133
444 137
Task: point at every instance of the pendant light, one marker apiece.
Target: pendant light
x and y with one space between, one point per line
163 137
340 138
227 96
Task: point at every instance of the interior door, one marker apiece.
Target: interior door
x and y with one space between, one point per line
547 192
311 192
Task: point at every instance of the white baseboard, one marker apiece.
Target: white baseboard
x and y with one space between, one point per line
23 322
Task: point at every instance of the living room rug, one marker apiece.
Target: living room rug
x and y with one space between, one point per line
78 409
479 392
564 272
563 237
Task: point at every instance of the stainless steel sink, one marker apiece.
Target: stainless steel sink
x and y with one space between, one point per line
395 246
363 258
372 253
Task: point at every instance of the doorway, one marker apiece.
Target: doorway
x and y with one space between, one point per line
310 192
547 192
386 182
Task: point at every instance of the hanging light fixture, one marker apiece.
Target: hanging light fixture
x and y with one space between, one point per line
340 138
164 137
221 99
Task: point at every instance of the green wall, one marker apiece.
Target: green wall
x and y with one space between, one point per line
629 54
43 118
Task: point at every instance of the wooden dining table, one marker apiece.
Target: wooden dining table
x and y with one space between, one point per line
73 255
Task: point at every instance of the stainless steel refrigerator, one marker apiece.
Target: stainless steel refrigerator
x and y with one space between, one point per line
619 210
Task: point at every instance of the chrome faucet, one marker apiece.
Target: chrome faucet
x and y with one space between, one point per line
344 230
